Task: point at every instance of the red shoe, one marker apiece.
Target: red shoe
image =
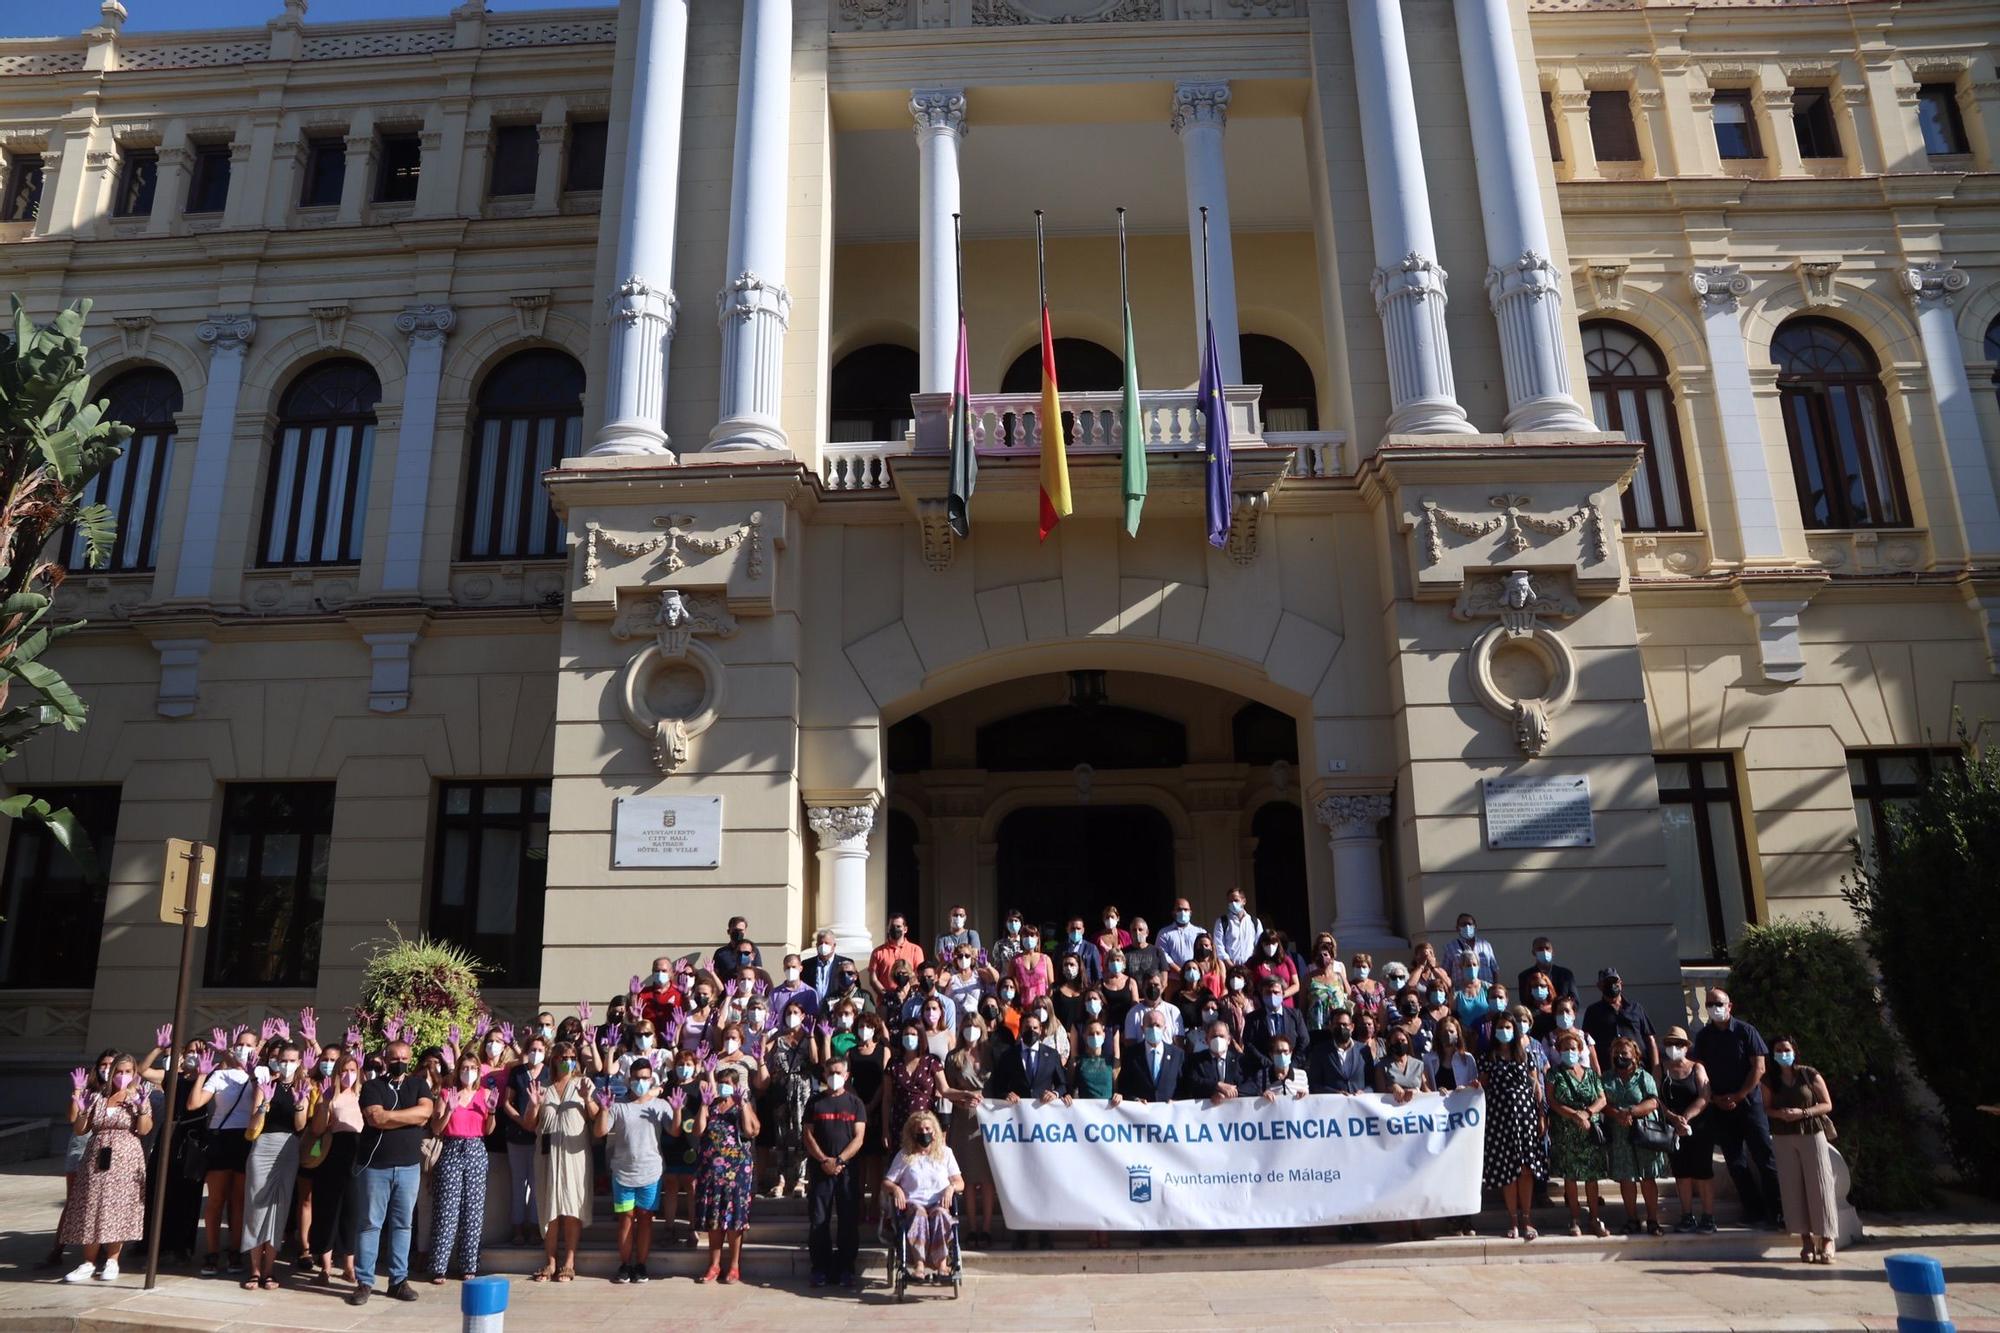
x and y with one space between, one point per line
714 1269
733 1275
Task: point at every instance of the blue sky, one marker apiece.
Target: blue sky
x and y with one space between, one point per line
47 18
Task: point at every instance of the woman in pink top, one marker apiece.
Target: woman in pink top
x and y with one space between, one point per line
463 1119
1031 968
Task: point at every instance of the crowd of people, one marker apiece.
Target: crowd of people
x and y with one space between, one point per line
853 1083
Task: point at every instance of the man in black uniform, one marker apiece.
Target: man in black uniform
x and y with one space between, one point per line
836 1127
395 1109
1733 1053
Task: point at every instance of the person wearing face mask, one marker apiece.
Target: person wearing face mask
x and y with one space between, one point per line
728 957
229 1088
794 987
312 1153
1801 1112
1323 989
1735 1056
1538 992
1153 1006
338 1119
961 935
1564 1019
1143 956
1032 971
1684 1096
1619 1015
1008 946
395 1112
1240 997
1467 942
281 1106
182 1218
1469 1002
1217 1072
1152 1064
1272 1021
680 1149
966 1072
1365 995
1089 959
922 1180
836 1126
1562 981
703 1012
897 949
1271 960
1120 994
967 983
1576 1138
517 1121
1632 1098
466 1113
929 990
1178 939
1032 1070
915 1083
784 1086
725 1125
868 1075
1093 1071
1112 934
1395 976
1236 932
1339 1063
1282 1078
564 1113
659 997
1426 973
632 1130
107 1208
822 969
1067 997
1514 1153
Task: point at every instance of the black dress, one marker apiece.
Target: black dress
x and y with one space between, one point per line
1694 1155
1513 1120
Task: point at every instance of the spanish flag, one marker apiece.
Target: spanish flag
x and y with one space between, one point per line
1055 455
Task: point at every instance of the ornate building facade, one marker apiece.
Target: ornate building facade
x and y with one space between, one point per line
1613 535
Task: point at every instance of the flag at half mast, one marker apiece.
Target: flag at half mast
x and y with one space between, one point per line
1133 445
1214 414
964 462
1055 502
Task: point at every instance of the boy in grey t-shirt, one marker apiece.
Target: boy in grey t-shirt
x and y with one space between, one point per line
634 1153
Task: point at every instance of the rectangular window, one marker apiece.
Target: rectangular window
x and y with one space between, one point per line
515 149
1614 135
326 172
585 167
1937 114
1812 121
1735 126
270 884
491 867
1884 780
133 488
54 916
399 161
1549 126
1708 863
318 495
208 188
138 176
24 188
508 513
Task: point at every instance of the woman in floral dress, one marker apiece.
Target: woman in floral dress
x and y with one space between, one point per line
108 1206
1633 1096
1576 1097
726 1125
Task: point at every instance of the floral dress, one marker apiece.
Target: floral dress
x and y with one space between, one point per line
1628 1160
1573 1153
1513 1120
1324 997
911 1089
723 1184
109 1206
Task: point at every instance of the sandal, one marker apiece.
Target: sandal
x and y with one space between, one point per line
1513 1233
248 1284
546 1273
1576 1228
714 1271
568 1272
1529 1233
269 1284
733 1275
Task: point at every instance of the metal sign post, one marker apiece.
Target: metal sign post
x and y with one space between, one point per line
190 869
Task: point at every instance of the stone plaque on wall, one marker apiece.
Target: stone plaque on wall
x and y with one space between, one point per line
679 832
1538 812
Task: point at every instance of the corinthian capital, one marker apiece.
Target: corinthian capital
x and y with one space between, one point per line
1718 287
841 824
1200 104
1352 814
1932 282
228 333
940 110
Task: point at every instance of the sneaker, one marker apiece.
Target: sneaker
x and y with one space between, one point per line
1706 1227
236 1261
108 1273
402 1291
211 1264
624 1274
83 1272
359 1296
847 1279
639 1273
819 1279
1686 1224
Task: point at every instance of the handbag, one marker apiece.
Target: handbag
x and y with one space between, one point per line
1652 1135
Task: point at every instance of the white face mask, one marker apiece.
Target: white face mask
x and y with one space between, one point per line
732 1046
536 1057
1219 1045
958 921
347 1079
867 1034
909 1041
825 951
493 1049
289 1068
644 1041
792 975
971 1035
836 1082
792 1021
845 1022
1677 1053
246 1055
468 1077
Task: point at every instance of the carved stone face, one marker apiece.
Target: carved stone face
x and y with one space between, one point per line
1518 592
673 608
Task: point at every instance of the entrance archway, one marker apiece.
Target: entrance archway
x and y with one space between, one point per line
1056 862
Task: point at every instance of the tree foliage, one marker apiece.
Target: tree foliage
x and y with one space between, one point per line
1930 913
53 441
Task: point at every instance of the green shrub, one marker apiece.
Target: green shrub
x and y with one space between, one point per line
422 987
1930 914
1810 981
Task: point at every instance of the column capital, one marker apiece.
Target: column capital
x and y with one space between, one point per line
1417 277
1718 288
1932 283
938 110
749 295
842 825
636 300
227 333
1200 104
427 323
1353 814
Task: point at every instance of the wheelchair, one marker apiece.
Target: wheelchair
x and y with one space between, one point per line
893 1232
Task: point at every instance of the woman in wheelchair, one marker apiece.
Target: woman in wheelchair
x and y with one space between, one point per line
922 1181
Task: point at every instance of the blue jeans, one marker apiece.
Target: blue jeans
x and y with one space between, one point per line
388 1196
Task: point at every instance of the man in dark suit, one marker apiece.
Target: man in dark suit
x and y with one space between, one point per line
1030 1071
1560 977
1150 1069
1217 1073
1340 1063
822 971
1274 1020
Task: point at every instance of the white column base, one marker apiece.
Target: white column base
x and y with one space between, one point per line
1409 296
754 315
842 831
642 332
1361 912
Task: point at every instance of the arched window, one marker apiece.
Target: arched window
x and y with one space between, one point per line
1290 399
1263 735
871 389
316 495
1837 423
1629 396
1082 366
147 400
530 419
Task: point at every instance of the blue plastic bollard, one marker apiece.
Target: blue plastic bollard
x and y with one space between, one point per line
1918 1281
483 1303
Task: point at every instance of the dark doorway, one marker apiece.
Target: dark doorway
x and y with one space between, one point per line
1056 862
1279 865
903 887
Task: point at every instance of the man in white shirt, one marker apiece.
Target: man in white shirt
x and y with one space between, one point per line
1235 932
1177 940
1154 1003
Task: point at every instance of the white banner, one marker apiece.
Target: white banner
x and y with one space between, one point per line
1188 1166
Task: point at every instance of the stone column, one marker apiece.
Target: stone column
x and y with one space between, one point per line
1521 282
1408 283
1201 112
244 206
1930 286
169 188
753 306
642 304
1718 289
940 124
1353 833
356 181
549 140
427 327
228 338
842 831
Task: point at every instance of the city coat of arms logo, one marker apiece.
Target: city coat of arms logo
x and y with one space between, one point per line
668 818
1139 1184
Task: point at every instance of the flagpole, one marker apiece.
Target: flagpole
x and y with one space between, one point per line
1124 291
1204 263
1041 264
958 249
